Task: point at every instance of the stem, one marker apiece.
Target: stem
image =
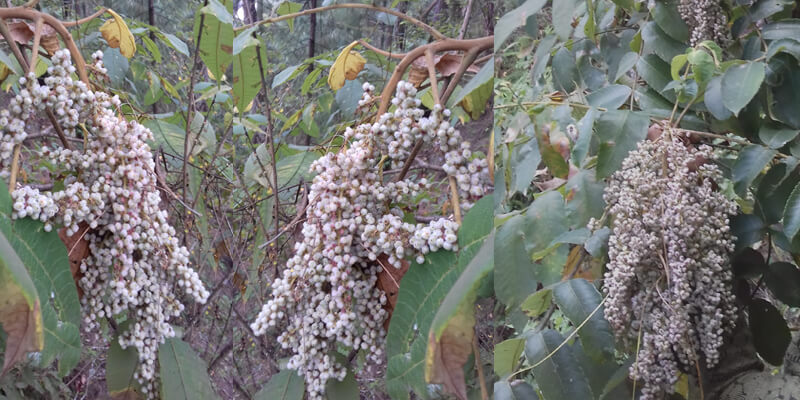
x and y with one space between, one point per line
477 353
82 21
379 51
454 199
436 34
37 37
271 143
12 181
467 14
189 111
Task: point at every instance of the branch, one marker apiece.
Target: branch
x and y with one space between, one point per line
436 34
476 45
57 25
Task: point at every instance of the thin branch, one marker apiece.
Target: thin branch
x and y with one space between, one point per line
436 34
82 21
476 45
467 14
454 199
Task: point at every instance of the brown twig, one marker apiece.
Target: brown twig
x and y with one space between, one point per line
468 45
82 21
477 353
467 14
57 25
436 34
454 199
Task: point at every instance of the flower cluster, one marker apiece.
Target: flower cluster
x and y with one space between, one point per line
706 20
669 279
135 258
397 132
327 295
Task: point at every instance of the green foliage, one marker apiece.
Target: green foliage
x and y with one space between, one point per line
183 373
45 259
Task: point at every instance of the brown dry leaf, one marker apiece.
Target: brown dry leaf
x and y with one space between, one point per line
451 353
77 250
19 322
389 282
49 39
23 33
446 64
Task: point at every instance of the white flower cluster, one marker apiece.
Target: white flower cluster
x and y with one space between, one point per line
669 277
396 133
135 258
706 20
327 295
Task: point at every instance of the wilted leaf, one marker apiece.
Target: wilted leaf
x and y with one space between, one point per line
115 31
445 64
451 334
77 249
389 283
20 314
346 67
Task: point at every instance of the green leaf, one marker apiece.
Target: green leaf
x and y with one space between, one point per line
521 236
752 159
173 41
791 214
506 356
584 197
788 28
785 98
20 310
748 229
453 327
577 299
166 135
748 264
776 136
537 303
514 19
788 46
474 95
183 372
287 74
669 20
713 99
289 7
525 156
152 47
120 366
221 12
560 376
702 66
405 372
563 14
610 97
246 76
619 132
656 73
245 39
345 389
658 42
45 257
216 38
783 280
285 385
771 335
292 168
740 83
425 286
565 71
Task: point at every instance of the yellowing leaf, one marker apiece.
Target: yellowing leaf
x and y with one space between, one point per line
4 72
117 34
346 67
